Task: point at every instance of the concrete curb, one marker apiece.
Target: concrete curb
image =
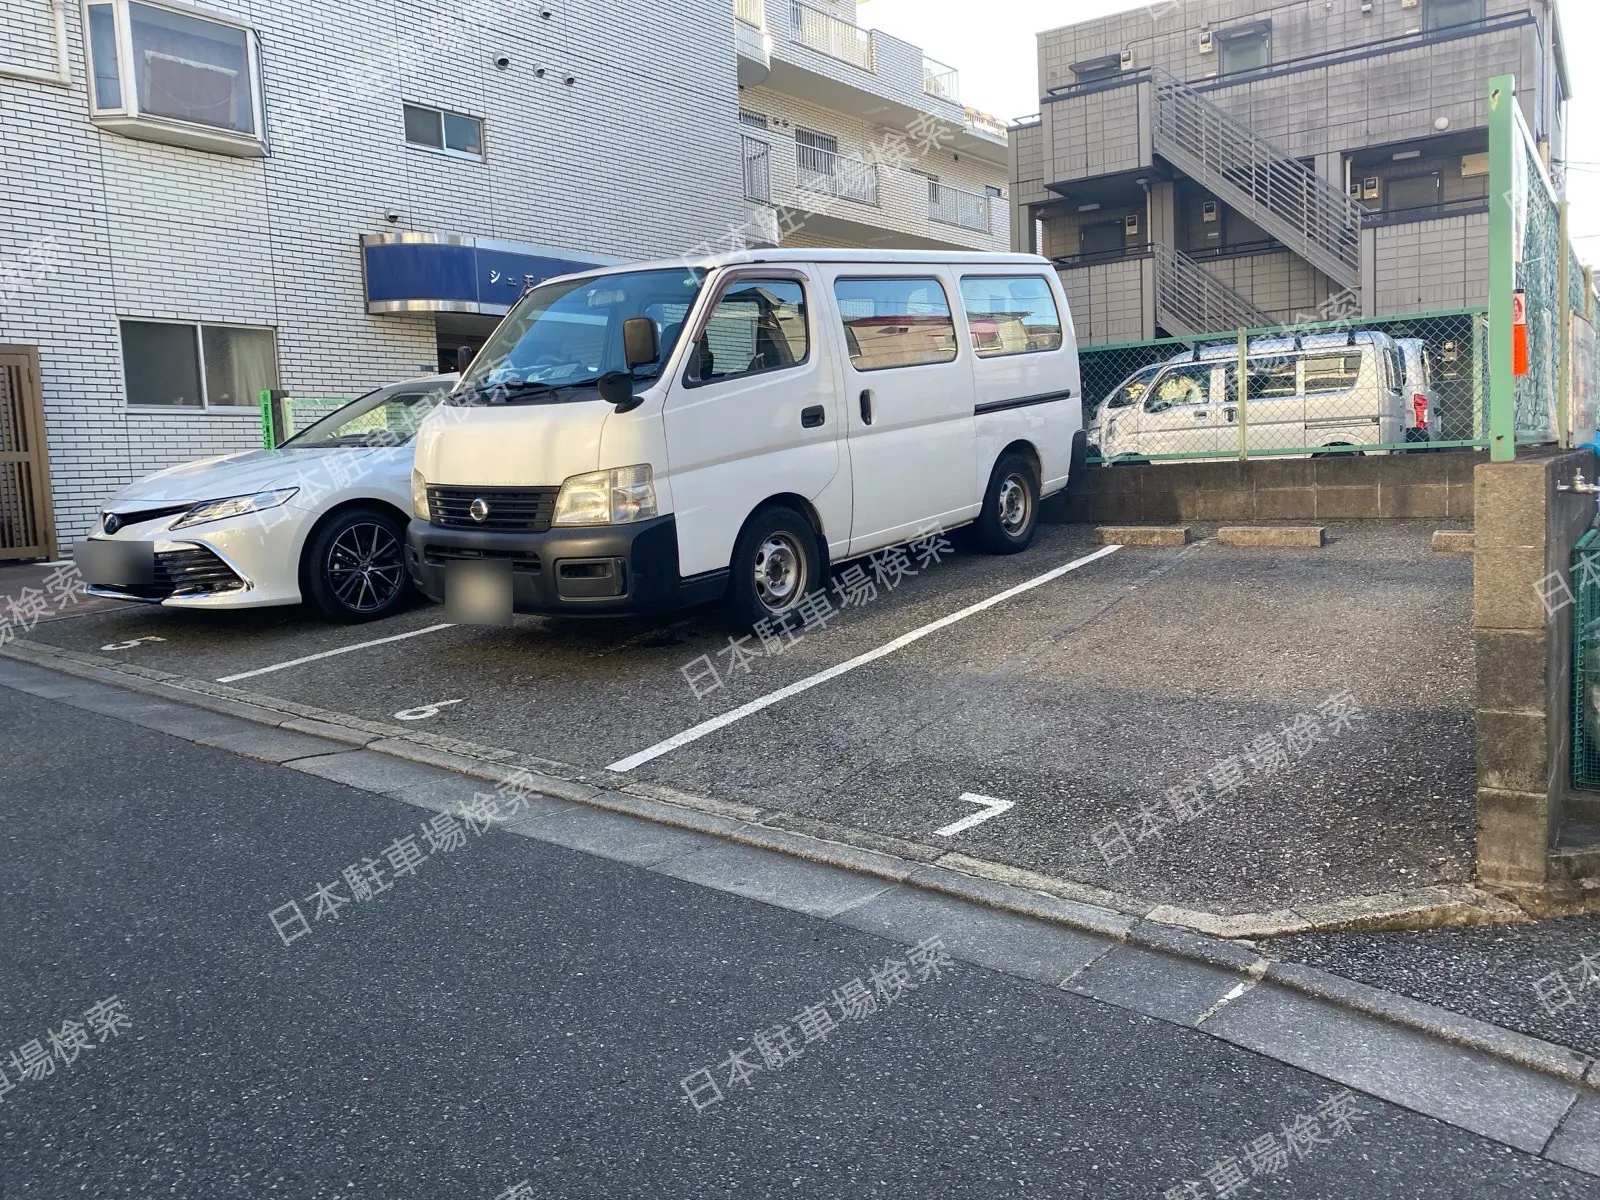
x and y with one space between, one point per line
1060 903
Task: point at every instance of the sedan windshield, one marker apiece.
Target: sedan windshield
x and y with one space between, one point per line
562 337
388 416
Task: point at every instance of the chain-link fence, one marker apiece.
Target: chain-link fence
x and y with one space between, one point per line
1394 385
1543 369
283 415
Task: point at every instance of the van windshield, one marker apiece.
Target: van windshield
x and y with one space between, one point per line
562 337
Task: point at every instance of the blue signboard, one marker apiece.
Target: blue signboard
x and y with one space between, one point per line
420 273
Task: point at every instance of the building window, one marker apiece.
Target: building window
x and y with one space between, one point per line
1441 14
167 364
1011 314
1246 49
993 192
160 74
901 322
447 132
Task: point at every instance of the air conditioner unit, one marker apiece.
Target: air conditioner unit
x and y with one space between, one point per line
1207 42
1208 211
1130 226
1371 188
1127 60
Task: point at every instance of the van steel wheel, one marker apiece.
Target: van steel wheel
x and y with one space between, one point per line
776 561
1010 507
354 566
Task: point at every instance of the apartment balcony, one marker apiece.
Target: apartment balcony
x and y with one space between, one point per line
751 42
850 201
821 58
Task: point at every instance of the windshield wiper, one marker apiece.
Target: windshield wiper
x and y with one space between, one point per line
516 391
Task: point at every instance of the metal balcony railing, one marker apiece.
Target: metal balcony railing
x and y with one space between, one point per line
1190 299
751 12
956 206
757 170
1277 191
836 175
941 80
833 36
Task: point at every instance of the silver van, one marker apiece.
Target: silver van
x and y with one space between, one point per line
1306 394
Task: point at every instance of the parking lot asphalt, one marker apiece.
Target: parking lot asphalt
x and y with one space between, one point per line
517 1010
1078 701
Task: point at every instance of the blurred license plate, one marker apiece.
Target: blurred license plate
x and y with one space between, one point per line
115 564
478 593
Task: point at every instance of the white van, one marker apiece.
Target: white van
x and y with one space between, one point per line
1307 392
1416 360
652 436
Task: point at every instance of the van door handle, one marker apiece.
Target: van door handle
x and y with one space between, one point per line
1231 415
866 406
811 417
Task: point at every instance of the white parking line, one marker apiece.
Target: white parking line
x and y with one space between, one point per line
295 662
794 689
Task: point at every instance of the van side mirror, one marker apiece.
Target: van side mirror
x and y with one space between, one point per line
464 357
641 344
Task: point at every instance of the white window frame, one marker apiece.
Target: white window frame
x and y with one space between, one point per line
198 327
460 155
126 118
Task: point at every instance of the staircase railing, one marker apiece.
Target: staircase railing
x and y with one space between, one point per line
1274 189
1190 299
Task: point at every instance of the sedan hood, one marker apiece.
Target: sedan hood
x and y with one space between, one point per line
229 475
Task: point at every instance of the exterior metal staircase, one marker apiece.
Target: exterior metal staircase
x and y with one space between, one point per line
1282 195
1191 300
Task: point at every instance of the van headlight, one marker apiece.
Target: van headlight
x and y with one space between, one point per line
232 506
419 496
607 497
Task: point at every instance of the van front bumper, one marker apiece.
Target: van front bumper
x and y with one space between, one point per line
580 570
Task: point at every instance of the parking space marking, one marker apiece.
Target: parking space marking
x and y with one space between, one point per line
424 712
623 765
295 662
131 643
991 808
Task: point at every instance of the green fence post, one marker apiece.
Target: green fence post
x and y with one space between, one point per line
265 399
1244 393
1502 268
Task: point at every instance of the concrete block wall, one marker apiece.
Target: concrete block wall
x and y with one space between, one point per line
1423 487
135 229
1525 532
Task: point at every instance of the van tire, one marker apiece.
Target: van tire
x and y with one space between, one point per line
1010 514
775 564
351 542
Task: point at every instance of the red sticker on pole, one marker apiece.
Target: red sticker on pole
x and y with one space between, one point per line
1519 333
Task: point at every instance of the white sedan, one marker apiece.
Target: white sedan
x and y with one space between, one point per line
322 519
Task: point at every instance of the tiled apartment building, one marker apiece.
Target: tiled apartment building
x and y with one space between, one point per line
855 138
199 202
1204 165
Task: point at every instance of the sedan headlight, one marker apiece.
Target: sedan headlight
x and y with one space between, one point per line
607 497
233 506
419 496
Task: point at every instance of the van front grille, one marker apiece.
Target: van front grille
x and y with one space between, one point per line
519 510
